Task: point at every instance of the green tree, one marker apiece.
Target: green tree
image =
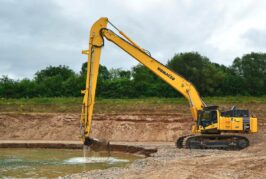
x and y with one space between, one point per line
51 81
246 76
119 73
206 76
146 83
117 88
27 88
8 88
252 71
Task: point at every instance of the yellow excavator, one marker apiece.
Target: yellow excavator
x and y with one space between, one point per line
213 129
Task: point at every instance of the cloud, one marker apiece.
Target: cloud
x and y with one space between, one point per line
256 38
35 34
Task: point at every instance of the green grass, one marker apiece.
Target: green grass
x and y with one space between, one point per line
74 104
154 100
30 101
181 100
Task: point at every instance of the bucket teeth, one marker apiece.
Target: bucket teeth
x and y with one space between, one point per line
88 141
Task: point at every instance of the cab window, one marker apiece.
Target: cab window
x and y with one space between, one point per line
208 118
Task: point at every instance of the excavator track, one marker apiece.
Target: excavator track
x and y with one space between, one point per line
205 141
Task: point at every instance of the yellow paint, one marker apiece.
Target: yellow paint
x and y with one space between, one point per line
253 124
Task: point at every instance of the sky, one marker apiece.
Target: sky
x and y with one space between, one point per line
36 33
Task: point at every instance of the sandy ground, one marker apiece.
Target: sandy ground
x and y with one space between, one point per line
160 125
170 162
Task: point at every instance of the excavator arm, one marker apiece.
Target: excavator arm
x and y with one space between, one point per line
98 32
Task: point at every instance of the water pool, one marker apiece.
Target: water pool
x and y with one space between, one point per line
51 163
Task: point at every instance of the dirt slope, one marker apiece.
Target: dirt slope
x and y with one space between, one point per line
160 124
115 127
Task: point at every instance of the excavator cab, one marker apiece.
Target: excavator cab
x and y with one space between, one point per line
208 119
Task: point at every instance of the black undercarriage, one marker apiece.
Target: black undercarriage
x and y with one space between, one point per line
213 141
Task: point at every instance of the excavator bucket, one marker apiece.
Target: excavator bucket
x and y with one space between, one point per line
97 144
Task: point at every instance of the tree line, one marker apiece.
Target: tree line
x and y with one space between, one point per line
246 76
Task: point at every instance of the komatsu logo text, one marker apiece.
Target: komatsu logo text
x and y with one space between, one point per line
165 73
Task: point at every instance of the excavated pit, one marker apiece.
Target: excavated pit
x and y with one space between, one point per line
140 127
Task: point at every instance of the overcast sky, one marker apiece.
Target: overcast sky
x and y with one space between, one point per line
37 33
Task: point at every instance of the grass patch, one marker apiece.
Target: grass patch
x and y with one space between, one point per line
106 105
29 101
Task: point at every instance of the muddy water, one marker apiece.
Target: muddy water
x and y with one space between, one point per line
50 163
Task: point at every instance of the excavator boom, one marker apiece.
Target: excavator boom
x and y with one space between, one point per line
98 33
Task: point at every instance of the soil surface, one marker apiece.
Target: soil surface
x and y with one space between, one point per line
170 162
160 124
132 126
